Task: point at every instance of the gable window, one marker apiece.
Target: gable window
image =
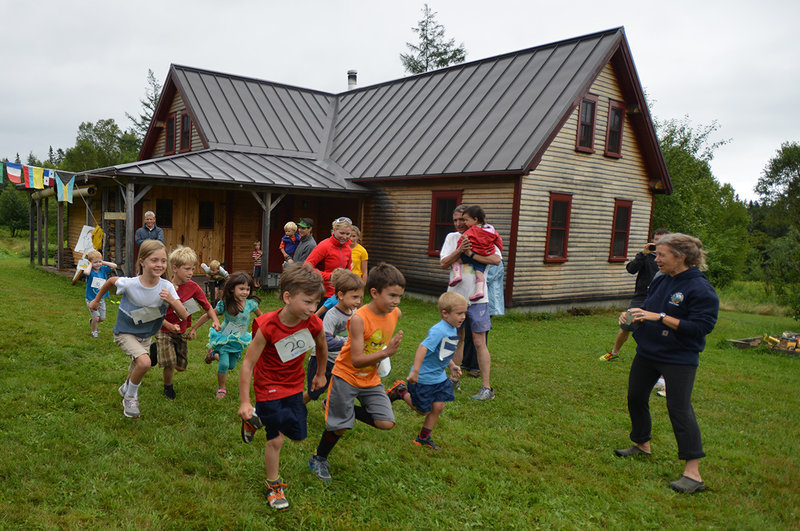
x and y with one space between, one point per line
169 135
586 119
558 227
443 202
620 230
206 215
616 114
186 132
164 213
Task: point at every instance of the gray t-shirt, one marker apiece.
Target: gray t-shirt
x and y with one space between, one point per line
334 324
304 248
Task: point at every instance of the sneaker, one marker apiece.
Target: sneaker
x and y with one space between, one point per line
662 392
608 356
397 390
275 496
95 334
427 442
484 393
130 407
456 384
250 427
319 466
169 392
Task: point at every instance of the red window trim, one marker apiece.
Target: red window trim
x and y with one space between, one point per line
617 204
578 147
166 136
185 116
557 198
435 196
612 105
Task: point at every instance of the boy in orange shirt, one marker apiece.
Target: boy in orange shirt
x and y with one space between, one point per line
355 374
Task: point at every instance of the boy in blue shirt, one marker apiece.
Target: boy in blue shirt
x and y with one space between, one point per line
428 385
95 278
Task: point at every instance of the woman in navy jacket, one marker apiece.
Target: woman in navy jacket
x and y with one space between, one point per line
679 312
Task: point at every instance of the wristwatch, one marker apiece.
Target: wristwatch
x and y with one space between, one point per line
661 317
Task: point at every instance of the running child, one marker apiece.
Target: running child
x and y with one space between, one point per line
95 279
227 345
355 373
257 254
482 238
171 340
349 293
274 360
289 242
217 274
428 385
141 311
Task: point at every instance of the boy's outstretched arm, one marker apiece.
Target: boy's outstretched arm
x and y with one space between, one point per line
254 350
319 380
418 357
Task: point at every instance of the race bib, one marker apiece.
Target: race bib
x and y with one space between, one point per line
145 314
231 329
97 282
290 347
191 306
448 347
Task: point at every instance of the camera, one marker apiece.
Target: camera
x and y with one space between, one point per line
651 247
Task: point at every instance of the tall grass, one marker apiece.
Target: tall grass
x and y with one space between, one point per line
539 455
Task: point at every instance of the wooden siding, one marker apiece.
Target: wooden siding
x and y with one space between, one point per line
397 224
594 181
177 107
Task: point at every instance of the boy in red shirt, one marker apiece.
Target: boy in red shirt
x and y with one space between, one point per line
274 360
171 341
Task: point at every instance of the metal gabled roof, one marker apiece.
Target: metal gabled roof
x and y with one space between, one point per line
487 116
237 168
234 111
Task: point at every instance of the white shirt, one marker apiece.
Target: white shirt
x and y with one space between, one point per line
467 285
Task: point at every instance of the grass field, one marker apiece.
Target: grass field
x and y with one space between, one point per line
538 456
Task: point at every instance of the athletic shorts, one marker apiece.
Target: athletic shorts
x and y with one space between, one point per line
287 415
478 317
173 350
311 371
101 309
635 303
424 395
340 412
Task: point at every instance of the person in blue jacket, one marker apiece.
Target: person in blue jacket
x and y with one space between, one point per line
679 312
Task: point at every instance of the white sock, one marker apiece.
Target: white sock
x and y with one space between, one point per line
132 390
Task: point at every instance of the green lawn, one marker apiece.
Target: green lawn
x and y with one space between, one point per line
539 455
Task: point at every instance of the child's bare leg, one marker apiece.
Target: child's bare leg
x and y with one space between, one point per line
272 457
169 372
221 380
384 424
140 368
94 322
433 415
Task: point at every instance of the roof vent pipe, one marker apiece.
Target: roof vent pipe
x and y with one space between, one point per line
351 79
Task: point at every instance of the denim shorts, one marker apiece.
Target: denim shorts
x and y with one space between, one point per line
424 395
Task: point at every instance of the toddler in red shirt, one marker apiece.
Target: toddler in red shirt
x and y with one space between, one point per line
483 239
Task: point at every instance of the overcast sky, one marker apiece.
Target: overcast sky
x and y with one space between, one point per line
66 62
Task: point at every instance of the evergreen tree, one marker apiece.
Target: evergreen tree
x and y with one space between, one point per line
432 51
151 94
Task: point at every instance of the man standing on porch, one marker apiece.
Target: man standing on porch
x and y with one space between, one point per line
150 231
478 311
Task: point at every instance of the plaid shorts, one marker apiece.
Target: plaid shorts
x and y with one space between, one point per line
173 350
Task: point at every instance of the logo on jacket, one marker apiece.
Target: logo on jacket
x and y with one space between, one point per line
676 298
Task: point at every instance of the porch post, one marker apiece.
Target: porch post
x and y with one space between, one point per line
39 231
104 222
129 267
265 227
46 232
60 233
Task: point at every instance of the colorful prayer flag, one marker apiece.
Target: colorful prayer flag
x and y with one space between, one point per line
27 176
48 177
38 177
14 172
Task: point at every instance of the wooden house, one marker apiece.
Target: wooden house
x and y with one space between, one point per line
555 142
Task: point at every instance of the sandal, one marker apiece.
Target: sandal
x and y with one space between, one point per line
221 393
687 485
210 355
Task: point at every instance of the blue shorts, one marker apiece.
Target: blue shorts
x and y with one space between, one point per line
256 271
478 317
424 395
287 415
311 370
